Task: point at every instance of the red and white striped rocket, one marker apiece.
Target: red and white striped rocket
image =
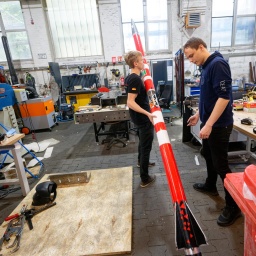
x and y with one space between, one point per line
189 235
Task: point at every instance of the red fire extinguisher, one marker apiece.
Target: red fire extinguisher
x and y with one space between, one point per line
122 80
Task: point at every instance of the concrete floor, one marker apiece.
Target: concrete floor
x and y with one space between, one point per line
153 217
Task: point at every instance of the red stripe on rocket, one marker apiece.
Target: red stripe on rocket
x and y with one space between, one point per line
189 235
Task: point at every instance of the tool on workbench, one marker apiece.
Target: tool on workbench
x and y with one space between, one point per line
46 193
247 121
16 225
70 179
29 214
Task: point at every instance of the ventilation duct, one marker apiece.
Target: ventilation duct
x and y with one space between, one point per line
193 20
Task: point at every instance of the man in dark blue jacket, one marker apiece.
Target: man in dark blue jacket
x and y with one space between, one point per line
216 116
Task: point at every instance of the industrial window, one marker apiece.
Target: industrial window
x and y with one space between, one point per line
74 27
12 24
151 20
234 23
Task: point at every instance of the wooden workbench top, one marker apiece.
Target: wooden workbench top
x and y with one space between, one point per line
12 140
80 92
90 219
243 128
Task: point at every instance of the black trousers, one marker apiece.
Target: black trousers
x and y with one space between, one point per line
215 151
146 136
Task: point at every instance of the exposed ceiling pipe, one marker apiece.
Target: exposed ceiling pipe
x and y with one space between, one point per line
13 75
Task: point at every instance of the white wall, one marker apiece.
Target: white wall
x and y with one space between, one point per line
110 20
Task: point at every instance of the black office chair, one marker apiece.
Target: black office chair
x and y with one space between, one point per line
118 131
160 88
165 97
165 100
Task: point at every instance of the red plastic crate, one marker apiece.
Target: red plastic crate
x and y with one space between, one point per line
234 183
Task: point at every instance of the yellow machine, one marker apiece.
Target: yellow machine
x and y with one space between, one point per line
79 98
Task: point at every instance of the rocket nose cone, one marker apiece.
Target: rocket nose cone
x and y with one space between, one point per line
134 29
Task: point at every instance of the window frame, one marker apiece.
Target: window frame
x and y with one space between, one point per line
45 7
7 30
234 17
146 22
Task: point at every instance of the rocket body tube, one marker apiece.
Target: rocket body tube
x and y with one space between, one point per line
189 235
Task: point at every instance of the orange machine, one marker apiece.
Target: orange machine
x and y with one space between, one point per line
38 113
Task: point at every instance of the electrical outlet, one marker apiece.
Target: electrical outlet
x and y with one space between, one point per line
42 56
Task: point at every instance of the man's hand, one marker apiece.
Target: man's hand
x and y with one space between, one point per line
205 132
151 117
192 121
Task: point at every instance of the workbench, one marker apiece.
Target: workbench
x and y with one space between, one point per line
246 130
93 218
100 117
12 144
241 132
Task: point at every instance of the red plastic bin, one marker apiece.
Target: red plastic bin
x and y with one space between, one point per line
234 183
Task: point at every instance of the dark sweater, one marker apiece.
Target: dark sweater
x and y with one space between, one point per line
215 83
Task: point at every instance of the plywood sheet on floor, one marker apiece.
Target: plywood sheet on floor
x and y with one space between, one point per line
90 219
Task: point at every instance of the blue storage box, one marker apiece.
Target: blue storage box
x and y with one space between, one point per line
7 96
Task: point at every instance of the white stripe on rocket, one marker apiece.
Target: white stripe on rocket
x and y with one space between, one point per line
159 117
147 78
162 137
146 66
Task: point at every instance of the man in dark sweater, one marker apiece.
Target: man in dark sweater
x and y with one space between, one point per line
139 109
216 116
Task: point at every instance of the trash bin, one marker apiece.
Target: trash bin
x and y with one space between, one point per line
242 187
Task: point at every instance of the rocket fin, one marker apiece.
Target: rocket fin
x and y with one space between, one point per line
188 232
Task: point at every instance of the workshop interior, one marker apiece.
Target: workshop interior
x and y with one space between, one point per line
69 175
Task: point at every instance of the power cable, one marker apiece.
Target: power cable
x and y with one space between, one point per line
31 19
30 122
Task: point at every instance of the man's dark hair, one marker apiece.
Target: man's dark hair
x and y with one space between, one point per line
194 43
